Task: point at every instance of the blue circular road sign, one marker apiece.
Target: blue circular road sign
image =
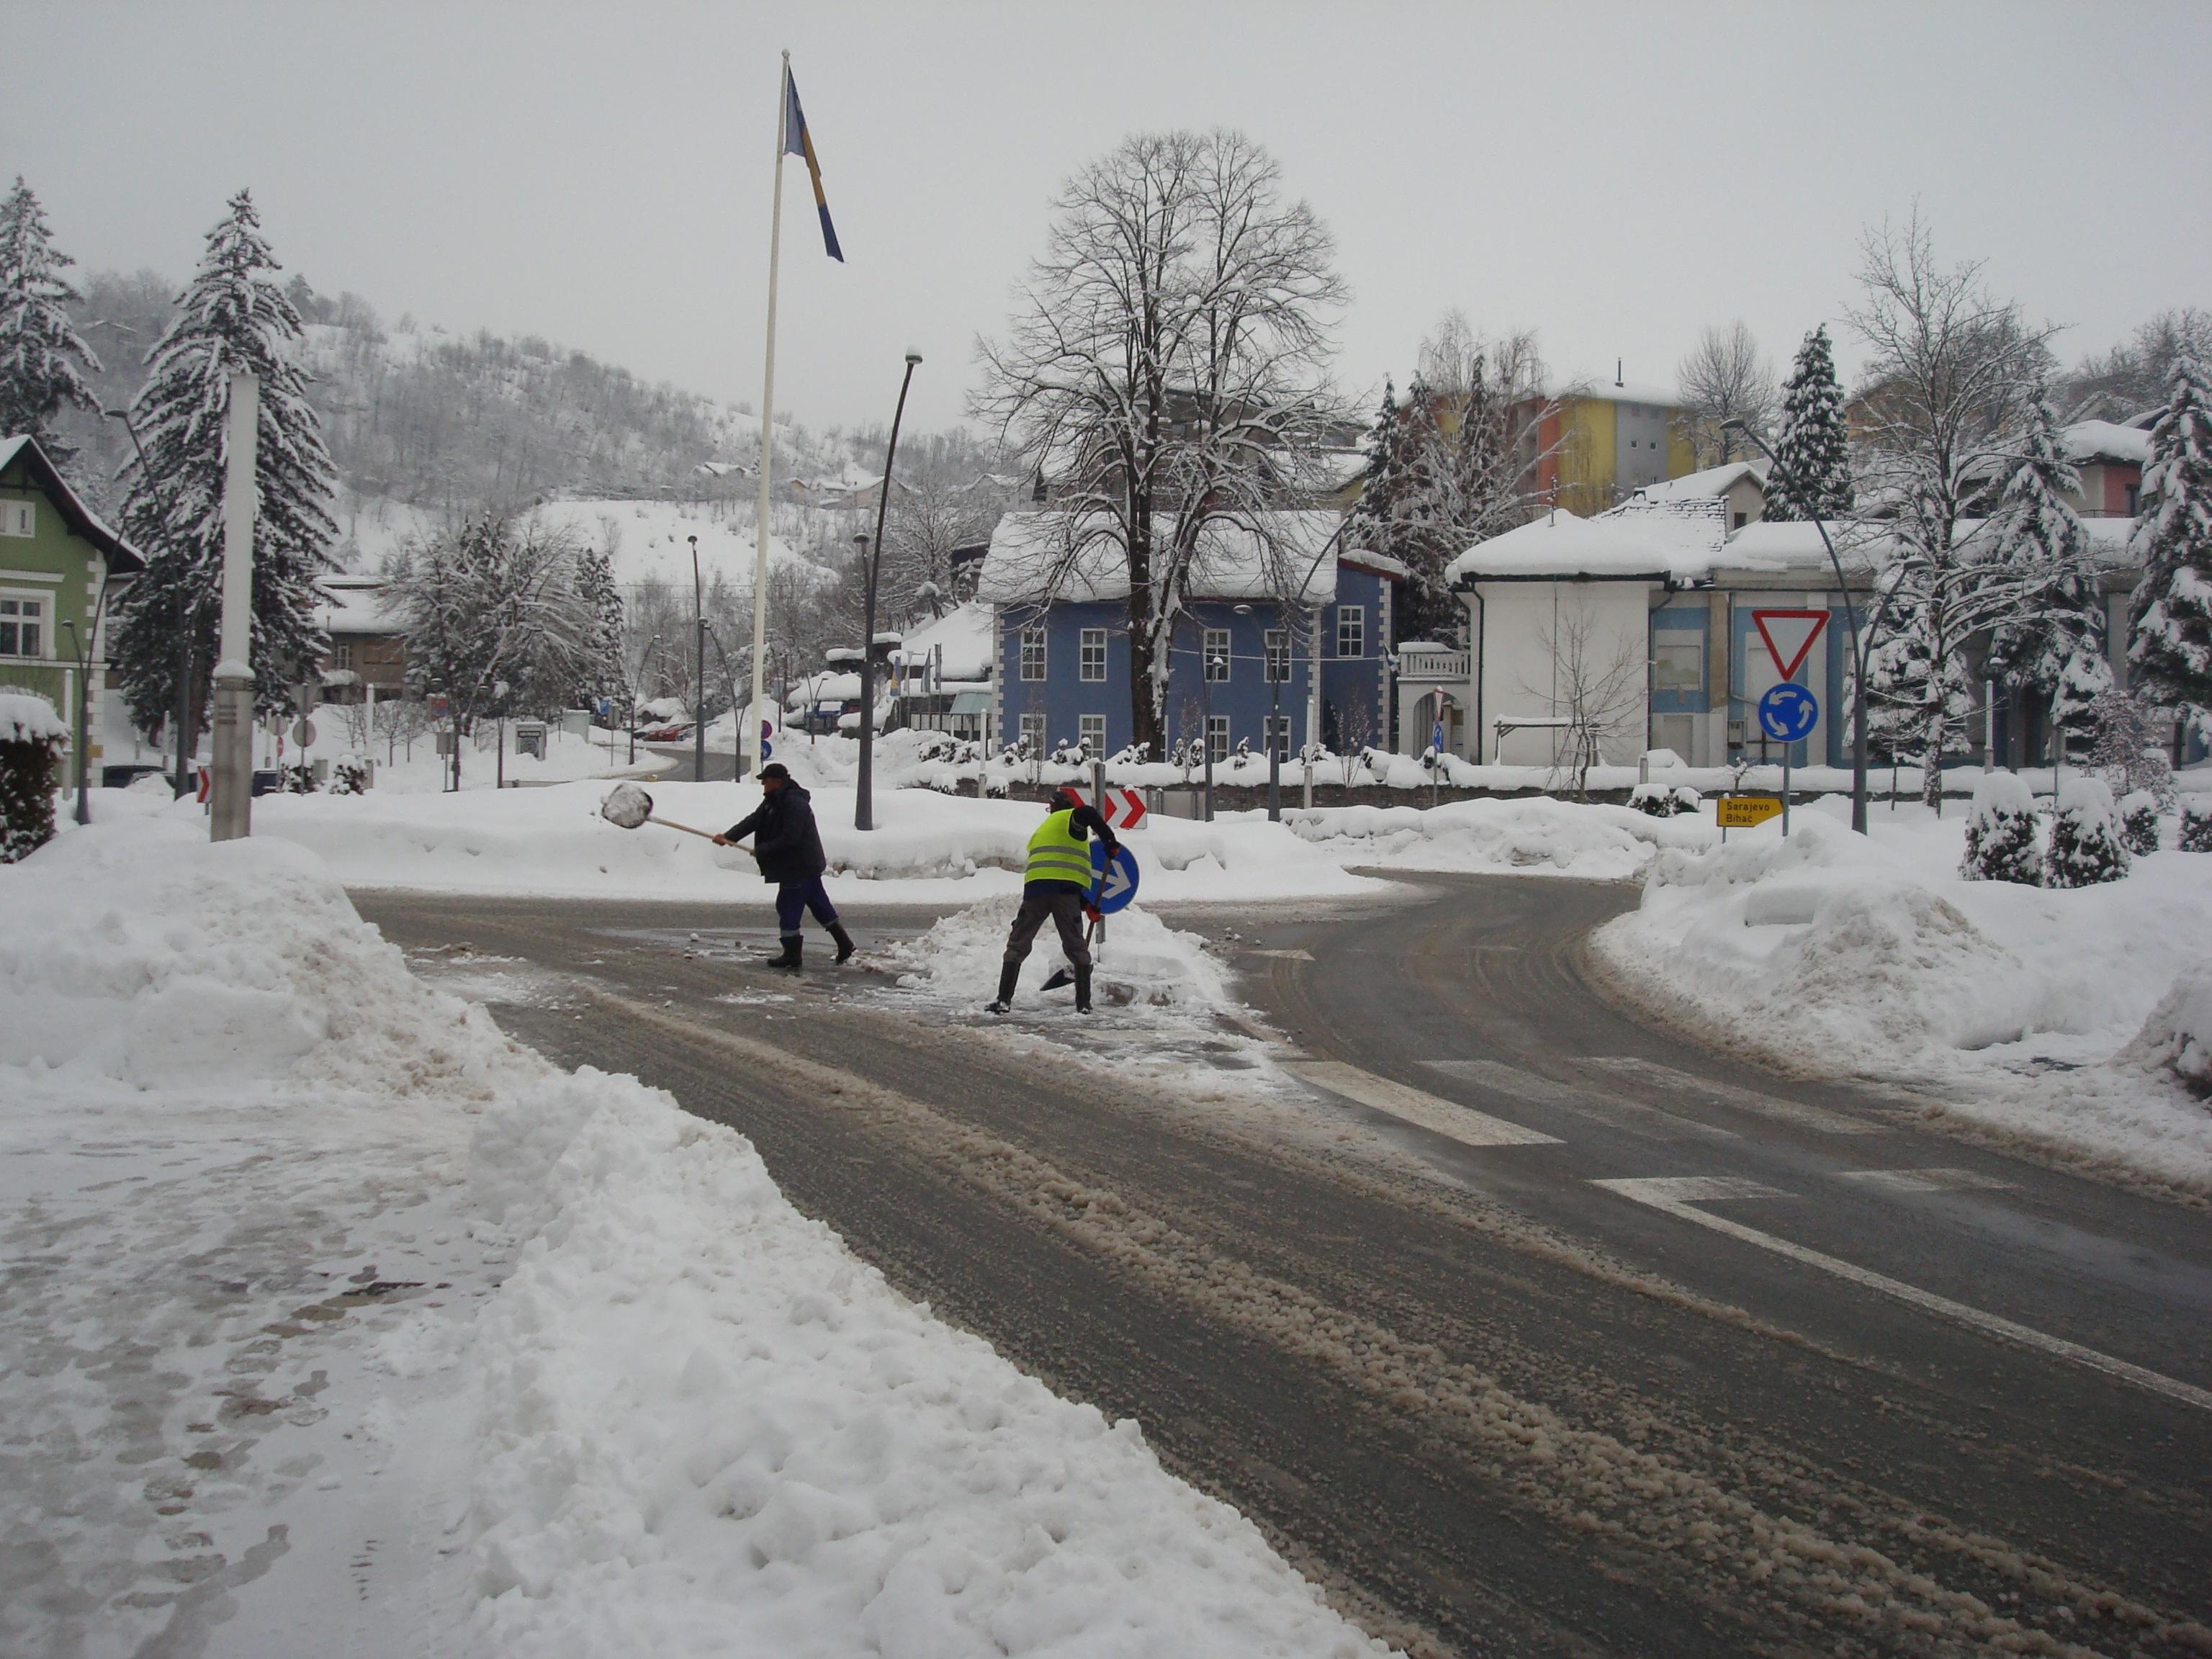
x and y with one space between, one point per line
1788 712
1116 882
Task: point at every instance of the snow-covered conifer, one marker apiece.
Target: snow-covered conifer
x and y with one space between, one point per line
2196 835
2086 680
2085 841
2038 575
2170 621
2139 822
2002 833
234 316
1813 474
1378 480
602 673
42 356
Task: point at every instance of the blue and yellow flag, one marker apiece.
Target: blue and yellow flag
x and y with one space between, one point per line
798 141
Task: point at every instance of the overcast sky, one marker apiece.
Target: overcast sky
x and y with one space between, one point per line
1615 176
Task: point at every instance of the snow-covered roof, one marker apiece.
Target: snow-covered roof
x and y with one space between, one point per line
1604 389
1233 560
1714 481
1381 564
355 605
1674 540
2087 441
965 635
119 554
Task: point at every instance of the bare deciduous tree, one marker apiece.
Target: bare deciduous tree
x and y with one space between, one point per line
1165 368
1725 378
1597 686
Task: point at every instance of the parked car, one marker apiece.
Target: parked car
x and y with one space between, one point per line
664 733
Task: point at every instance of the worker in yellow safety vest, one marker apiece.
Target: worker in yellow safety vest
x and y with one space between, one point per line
1056 882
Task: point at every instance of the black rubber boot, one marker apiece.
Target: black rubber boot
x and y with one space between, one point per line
1008 973
844 941
792 946
1083 990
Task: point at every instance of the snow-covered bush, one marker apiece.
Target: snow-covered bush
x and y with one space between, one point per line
350 776
2177 1036
1664 800
2139 822
2126 750
300 780
2002 835
32 739
2196 825
2085 841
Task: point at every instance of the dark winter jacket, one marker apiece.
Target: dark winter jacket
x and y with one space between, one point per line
785 840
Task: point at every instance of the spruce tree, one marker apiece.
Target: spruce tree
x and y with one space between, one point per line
2170 621
234 316
601 649
2085 839
1811 476
41 351
2002 833
2040 577
1378 481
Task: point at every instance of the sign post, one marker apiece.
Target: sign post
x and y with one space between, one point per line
1789 636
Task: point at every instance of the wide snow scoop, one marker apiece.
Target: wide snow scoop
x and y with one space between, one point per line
1063 975
630 806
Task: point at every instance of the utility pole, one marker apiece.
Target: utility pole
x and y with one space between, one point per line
699 672
231 815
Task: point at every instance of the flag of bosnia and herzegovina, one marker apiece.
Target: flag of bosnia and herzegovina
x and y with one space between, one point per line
797 141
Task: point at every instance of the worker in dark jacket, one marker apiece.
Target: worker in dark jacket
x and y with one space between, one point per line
789 851
1056 882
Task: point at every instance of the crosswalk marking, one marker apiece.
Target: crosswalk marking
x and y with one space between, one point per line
1928 1181
1675 1195
1511 1081
1444 1117
1819 1119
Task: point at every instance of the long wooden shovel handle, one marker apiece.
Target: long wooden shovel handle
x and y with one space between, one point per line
670 824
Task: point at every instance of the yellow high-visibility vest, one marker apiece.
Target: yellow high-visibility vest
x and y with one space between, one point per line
1056 854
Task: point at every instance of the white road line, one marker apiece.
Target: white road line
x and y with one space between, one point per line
1929 1180
1675 1196
1445 1117
1819 1119
1497 1075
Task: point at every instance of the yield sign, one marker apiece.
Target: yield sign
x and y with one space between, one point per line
1789 636
1124 809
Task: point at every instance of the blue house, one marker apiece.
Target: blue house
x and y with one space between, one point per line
1265 600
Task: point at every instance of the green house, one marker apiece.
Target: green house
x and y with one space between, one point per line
57 562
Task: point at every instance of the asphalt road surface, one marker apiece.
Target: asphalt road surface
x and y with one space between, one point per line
1519 1326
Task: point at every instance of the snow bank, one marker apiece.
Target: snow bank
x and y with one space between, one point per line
1837 955
1536 836
1143 962
688 1420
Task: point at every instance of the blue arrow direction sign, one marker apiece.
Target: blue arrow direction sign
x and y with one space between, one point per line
1788 712
1116 882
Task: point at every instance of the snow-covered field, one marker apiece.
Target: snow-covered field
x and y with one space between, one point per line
2057 1017
337 1323
1535 835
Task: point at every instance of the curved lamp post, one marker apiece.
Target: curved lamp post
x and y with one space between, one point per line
871 567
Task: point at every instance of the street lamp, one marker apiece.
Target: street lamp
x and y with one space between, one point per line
1207 659
864 792
183 710
81 649
1859 642
699 679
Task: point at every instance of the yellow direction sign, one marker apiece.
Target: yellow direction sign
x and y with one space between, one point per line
1745 812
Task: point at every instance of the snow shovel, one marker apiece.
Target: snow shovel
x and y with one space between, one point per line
1062 976
629 806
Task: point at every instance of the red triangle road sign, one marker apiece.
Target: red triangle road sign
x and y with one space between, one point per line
1789 636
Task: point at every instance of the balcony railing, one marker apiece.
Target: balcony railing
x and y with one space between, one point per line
1414 663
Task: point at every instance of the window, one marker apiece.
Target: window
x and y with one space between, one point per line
2135 500
1032 661
1033 733
1092 728
1351 630
1092 661
19 518
1679 666
1279 655
1217 653
1737 520
23 626
1217 736
1278 734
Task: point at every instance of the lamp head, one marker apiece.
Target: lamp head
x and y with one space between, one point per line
860 541
913 358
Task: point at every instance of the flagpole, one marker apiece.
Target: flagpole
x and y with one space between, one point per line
752 733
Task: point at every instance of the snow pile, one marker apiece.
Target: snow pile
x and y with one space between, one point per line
1143 962
25 717
2177 1036
261 1260
1833 954
1535 835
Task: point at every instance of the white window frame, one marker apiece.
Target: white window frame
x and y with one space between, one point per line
1352 620
1032 733
1033 645
1279 733
1216 647
19 518
1092 729
1091 652
1217 737
1275 656
44 601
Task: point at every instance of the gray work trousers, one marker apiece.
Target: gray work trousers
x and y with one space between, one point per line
1064 904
